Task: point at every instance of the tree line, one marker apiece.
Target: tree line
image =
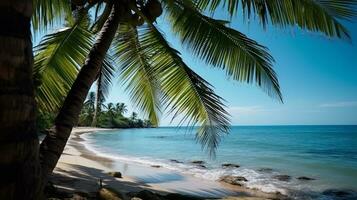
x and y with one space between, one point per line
98 114
109 115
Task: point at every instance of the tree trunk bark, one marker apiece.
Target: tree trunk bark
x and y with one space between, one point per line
19 160
52 146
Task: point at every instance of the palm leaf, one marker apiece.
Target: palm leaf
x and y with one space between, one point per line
106 76
104 81
99 21
98 8
243 59
47 13
184 92
314 15
136 72
58 58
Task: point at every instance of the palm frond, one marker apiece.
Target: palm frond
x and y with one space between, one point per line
314 15
58 58
90 100
185 92
99 21
98 8
47 13
136 72
243 59
106 76
104 81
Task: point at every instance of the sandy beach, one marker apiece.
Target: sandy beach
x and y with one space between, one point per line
80 170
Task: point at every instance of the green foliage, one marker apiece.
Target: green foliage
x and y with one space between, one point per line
110 115
314 15
184 91
57 61
136 73
242 58
49 13
44 121
105 77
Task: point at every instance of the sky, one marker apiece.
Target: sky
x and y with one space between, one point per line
317 76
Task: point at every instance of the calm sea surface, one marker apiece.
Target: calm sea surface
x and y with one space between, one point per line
327 154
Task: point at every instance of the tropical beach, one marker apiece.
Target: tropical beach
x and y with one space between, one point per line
178 99
204 181
79 171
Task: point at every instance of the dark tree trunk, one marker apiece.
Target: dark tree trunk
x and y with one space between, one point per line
54 143
19 161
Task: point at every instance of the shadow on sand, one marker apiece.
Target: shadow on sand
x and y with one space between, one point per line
84 179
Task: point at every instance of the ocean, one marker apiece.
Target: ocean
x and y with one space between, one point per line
327 154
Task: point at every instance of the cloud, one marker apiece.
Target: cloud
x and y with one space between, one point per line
341 104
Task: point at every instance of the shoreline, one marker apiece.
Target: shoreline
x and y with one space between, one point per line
86 168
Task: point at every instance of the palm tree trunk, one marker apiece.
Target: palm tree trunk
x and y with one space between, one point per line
52 146
19 163
97 99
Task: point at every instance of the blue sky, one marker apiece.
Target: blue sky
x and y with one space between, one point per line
317 77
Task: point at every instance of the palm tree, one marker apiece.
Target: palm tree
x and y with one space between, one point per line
133 116
111 110
52 146
121 108
133 119
139 123
147 123
152 70
19 155
88 110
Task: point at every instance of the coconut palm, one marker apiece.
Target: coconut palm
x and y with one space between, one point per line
121 108
111 110
139 123
133 116
157 79
87 113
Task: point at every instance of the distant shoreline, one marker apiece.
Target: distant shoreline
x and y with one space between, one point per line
76 156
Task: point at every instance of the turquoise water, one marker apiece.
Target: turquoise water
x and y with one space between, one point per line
325 153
